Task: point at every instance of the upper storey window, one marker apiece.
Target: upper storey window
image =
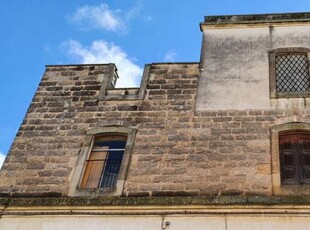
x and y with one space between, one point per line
292 73
289 72
104 163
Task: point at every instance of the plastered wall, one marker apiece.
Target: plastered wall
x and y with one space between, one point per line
235 66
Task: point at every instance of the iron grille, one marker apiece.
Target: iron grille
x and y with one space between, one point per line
109 173
292 73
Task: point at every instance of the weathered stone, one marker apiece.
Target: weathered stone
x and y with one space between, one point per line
176 150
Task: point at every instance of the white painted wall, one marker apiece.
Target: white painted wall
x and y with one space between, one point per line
235 67
177 222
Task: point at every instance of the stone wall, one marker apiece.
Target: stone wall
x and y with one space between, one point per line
177 150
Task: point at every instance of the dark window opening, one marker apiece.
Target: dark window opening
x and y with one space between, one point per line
103 165
292 73
295 158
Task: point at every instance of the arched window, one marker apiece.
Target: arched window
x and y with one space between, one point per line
290 158
104 162
294 149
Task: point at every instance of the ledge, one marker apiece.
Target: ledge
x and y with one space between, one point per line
258 18
223 20
144 201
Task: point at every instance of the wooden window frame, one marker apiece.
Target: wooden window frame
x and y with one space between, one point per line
295 154
278 188
97 162
272 71
75 184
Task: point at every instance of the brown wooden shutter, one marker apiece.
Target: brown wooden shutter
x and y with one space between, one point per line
94 167
295 158
304 159
288 160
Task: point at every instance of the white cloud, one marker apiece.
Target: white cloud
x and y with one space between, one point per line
2 157
133 12
103 17
101 51
148 18
99 17
170 56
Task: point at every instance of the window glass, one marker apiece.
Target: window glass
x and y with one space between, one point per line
104 163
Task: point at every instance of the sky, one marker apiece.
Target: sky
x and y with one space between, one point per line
130 33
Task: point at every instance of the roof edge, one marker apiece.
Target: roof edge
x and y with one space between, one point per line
67 65
257 18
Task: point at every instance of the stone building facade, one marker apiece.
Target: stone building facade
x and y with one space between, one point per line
203 141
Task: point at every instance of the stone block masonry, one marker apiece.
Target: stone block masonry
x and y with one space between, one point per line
177 150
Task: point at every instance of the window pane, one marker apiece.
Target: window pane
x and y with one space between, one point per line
104 163
113 164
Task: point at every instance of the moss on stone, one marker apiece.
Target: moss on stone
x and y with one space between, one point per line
200 200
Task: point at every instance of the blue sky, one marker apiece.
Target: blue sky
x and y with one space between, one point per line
130 33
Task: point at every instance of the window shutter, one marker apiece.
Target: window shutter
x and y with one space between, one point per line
288 160
305 159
